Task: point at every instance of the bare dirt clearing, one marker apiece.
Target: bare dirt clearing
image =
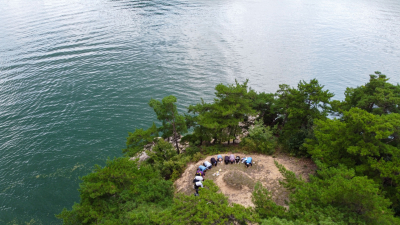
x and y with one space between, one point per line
263 170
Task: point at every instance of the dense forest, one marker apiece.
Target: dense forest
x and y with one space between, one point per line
355 143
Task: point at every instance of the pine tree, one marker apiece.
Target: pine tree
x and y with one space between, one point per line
173 124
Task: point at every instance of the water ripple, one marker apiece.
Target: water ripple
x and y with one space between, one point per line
76 76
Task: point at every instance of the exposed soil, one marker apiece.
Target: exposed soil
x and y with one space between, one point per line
263 170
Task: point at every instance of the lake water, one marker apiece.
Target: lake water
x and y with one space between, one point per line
76 75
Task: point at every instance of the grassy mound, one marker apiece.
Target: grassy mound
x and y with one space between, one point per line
237 179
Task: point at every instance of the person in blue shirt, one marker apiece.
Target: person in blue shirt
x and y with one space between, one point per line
248 162
203 168
219 158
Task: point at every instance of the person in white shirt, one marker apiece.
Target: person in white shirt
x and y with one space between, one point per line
196 187
198 178
207 164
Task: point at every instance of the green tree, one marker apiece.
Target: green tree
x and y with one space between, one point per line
279 221
173 124
366 142
360 140
164 158
338 194
377 96
298 108
200 133
265 105
264 205
210 207
109 193
260 139
221 118
137 140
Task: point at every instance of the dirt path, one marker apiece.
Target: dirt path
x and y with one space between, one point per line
263 170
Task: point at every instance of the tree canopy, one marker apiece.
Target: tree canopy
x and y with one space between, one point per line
355 144
173 124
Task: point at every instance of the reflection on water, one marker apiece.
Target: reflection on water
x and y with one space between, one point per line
76 76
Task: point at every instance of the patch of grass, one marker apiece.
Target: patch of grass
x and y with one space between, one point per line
238 180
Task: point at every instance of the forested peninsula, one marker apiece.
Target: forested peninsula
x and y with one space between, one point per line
354 143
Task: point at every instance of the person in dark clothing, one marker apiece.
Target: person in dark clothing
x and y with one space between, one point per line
237 159
199 173
214 161
226 159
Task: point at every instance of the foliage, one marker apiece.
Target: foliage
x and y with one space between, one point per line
173 124
220 120
192 150
366 142
137 140
359 153
360 140
278 221
290 181
213 149
376 97
260 139
197 157
264 104
339 194
298 108
210 207
264 205
144 214
164 158
109 193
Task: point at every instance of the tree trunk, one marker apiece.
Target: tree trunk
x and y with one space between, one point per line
175 133
176 144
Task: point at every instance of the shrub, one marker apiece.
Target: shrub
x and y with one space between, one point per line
192 150
197 157
338 194
109 193
264 205
210 207
164 158
260 139
213 149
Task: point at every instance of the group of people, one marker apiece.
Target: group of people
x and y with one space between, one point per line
201 171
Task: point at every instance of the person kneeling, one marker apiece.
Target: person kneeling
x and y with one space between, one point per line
219 158
203 168
226 159
200 173
207 164
248 162
232 158
237 159
214 162
196 187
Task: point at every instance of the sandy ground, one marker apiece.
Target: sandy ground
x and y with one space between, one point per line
263 170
